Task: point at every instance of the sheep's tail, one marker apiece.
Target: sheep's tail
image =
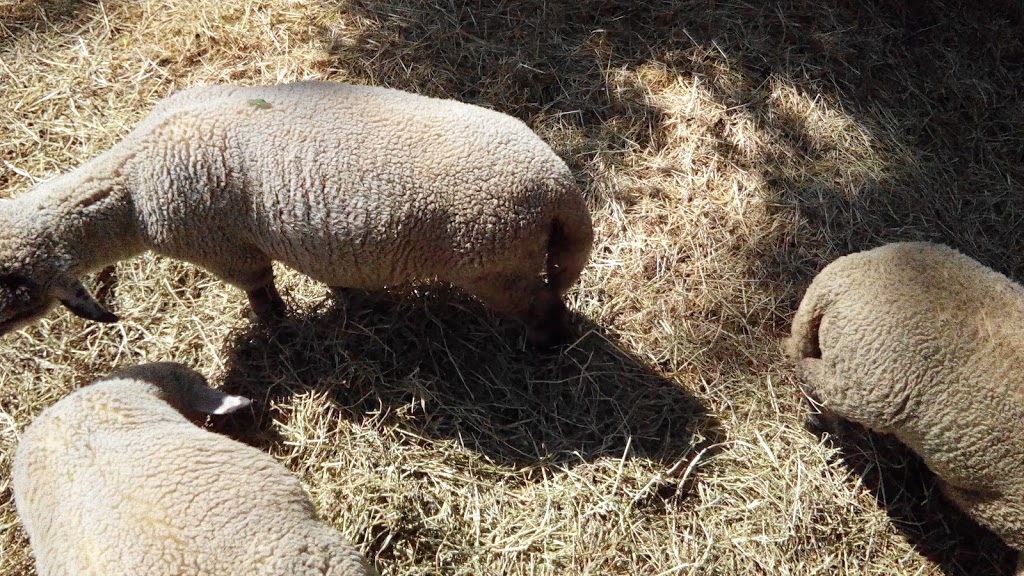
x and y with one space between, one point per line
569 243
803 340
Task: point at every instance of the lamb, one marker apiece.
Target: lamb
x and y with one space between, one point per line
115 479
922 342
354 186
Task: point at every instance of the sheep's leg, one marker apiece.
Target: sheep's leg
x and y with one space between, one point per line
1020 565
884 408
529 300
830 395
819 418
547 320
266 302
253 272
825 390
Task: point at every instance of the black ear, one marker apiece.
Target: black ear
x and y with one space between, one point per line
76 298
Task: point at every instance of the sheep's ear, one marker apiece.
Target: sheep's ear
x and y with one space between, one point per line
76 298
212 401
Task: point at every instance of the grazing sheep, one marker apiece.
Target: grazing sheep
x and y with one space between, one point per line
355 186
115 479
920 341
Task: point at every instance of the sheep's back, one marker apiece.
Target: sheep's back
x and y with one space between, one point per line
321 175
156 496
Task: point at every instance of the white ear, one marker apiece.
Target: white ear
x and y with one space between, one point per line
231 403
212 401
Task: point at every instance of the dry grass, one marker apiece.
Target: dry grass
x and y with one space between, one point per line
728 149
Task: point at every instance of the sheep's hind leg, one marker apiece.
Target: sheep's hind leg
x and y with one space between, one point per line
854 400
528 300
815 386
266 302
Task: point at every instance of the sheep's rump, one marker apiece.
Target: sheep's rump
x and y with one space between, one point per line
318 169
928 344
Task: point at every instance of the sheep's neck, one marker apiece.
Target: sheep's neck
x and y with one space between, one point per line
94 214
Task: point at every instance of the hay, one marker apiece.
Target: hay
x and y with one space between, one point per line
728 149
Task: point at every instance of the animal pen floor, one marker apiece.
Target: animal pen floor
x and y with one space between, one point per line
728 150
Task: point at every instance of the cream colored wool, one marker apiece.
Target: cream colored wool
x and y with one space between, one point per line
115 480
920 341
355 186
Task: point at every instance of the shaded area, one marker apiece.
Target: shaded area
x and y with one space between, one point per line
33 16
430 365
440 371
928 141
901 483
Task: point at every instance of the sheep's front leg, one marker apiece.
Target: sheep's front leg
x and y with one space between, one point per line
1020 564
251 270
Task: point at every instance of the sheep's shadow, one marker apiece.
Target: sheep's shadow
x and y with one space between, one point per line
440 367
902 484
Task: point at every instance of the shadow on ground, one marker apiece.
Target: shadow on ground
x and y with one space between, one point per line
901 483
438 367
932 87
35 15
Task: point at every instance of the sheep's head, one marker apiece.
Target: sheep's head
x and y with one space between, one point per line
31 276
184 389
23 301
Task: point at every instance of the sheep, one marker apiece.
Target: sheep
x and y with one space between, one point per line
116 479
355 186
922 342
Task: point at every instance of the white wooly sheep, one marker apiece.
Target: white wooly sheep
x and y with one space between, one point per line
116 479
920 341
354 186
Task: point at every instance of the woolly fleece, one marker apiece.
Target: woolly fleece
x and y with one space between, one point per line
114 480
355 186
921 341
